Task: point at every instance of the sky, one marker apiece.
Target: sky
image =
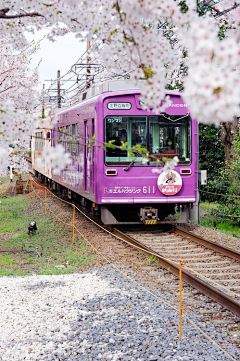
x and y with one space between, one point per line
54 56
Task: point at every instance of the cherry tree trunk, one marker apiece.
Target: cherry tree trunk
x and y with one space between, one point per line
228 130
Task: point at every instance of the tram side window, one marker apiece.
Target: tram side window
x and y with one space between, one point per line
63 136
68 138
39 141
75 139
60 136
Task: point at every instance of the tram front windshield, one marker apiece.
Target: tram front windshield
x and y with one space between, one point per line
163 136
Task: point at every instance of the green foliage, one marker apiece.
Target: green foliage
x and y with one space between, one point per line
230 201
93 139
4 180
124 145
183 6
151 260
136 151
212 214
211 152
139 149
178 86
6 260
212 158
110 144
203 7
224 182
148 72
227 331
222 32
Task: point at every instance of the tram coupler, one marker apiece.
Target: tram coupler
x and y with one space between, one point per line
149 215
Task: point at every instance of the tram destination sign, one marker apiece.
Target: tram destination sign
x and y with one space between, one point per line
119 105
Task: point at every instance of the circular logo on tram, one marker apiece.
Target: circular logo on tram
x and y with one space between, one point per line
169 183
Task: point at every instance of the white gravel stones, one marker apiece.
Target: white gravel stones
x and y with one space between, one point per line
96 315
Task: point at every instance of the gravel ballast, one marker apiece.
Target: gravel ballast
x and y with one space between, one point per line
95 315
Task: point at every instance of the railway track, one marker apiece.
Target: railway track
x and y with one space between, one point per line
211 268
149 272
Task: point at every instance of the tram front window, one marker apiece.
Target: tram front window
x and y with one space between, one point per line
170 137
124 130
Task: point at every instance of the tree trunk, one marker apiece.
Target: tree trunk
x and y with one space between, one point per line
228 131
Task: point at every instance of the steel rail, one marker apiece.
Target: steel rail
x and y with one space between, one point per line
188 277
226 251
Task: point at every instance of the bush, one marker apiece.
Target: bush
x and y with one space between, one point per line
212 158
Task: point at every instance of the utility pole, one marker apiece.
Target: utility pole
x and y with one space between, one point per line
88 61
58 89
43 101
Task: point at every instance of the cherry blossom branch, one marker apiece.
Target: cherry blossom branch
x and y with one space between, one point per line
218 12
227 10
10 87
4 15
127 38
6 71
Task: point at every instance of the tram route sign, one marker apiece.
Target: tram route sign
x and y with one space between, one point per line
119 105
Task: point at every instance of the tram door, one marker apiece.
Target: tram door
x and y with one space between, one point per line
89 156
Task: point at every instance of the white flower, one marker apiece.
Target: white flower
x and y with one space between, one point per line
170 165
55 158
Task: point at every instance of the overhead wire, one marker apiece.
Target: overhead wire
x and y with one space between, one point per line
81 79
69 75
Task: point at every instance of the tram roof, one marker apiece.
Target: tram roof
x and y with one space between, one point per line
118 86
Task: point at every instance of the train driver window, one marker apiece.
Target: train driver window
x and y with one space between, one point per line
165 137
124 130
116 133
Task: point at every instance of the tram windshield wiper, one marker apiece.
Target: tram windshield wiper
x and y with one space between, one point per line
133 161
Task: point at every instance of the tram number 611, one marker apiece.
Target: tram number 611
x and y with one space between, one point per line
148 189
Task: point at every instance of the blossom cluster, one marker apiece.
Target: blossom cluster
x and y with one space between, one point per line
54 158
17 101
212 87
168 166
148 38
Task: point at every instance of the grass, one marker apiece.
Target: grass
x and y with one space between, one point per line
4 180
5 183
151 260
50 251
208 217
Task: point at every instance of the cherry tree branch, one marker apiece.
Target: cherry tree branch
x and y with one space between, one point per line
3 81
236 5
2 91
4 15
6 71
217 11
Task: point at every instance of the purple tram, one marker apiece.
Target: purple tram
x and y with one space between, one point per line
109 182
